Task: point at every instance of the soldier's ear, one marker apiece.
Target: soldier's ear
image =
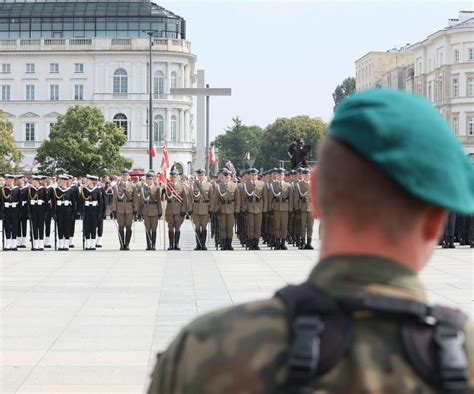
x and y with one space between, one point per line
312 192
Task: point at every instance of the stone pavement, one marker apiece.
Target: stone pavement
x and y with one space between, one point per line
93 321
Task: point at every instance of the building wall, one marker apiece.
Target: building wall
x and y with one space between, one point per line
443 76
100 58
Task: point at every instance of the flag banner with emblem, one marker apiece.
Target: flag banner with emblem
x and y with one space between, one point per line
247 156
212 156
151 153
165 164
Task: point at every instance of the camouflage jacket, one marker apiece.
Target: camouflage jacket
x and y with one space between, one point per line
243 349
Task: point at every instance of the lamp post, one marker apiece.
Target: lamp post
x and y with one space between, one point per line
150 100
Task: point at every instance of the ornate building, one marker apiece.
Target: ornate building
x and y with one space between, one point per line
55 54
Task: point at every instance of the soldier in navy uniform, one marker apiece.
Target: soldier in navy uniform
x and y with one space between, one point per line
100 223
63 201
10 196
92 199
37 198
76 209
23 222
48 213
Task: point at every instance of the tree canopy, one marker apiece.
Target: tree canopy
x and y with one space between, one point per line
10 154
346 88
82 142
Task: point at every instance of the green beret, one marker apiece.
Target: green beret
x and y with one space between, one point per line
408 139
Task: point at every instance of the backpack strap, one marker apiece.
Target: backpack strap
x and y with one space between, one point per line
320 333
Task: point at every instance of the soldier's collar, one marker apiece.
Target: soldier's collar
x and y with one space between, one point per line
358 275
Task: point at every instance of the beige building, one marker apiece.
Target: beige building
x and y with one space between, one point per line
444 73
371 66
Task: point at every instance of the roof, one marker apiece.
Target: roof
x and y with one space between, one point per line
78 9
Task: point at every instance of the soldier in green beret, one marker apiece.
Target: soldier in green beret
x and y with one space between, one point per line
389 170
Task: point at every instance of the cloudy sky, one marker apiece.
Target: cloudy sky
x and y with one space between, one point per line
283 58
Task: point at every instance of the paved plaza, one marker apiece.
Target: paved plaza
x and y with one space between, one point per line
92 322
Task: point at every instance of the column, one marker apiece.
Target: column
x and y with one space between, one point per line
168 125
187 126
181 73
181 126
168 78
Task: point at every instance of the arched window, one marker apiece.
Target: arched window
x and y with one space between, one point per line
174 129
121 121
174 79
159 84
120 81
158 129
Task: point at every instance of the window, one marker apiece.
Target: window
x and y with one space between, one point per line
78 67
54 92
78 92
6 68
158 129
30 67
120 81
29 131
174 79
30 92
121 121
470 87
470 54
6 93
456 56
455 87
53 67
470 125
159 85
174 129
455 124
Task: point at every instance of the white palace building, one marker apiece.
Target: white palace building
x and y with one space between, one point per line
58 53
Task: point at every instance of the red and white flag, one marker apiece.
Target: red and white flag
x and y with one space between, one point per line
212 156
247 156
165 164
153 151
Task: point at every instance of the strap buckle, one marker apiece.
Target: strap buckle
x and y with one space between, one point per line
305 351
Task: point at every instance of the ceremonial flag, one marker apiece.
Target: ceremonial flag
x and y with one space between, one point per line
165 163
247 156
153 151
212 156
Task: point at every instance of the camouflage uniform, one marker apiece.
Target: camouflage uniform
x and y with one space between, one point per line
244 349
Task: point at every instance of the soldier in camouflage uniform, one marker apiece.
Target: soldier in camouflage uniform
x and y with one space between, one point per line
367 169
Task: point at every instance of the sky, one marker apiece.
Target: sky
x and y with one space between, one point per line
285 58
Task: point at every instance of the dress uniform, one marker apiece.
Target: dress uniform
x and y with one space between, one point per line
125 207
10 198
360 324
23 224
176 198
37 198
200 197
77 209
150 209
304 213
100 223
254 203
92 199
281 203
226 204
63 202
48 212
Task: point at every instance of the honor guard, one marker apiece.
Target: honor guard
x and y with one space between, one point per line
77 208
150 208
63 202
176 208
100 222
226 204
92 199
281 203
45 181
23 223
254 200
124 208
37 197
302 206
10 198
200 202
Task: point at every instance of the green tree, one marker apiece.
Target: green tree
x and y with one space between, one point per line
278 136
82 142
10 154
236 141
347 87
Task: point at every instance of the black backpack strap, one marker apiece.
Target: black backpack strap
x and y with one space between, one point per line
436 349
320 333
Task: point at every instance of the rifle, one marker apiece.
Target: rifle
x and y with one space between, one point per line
55 235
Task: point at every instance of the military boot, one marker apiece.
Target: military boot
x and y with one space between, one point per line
122 239
171 239
451 243
153 240
276 245
229 244
282 244
198 240
203 239
176 240
308 243
148 240
256 244
128 237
